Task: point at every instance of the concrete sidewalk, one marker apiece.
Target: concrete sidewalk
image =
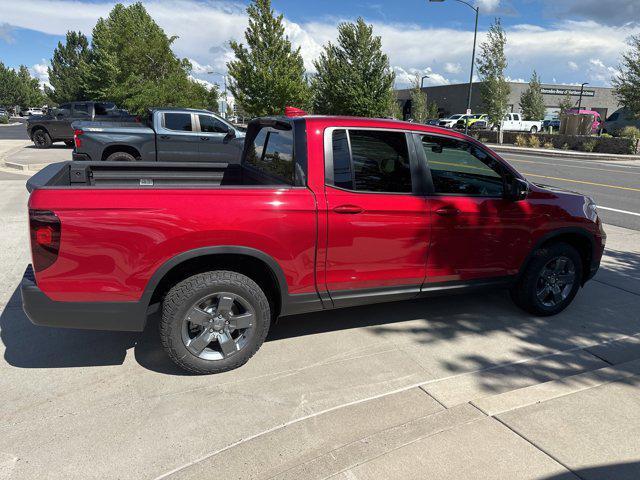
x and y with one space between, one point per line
23 156
550 152
451 387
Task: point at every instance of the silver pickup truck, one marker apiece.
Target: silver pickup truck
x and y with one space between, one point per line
169 135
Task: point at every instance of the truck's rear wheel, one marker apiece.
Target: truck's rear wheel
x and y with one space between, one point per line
214 322
550 281
534 129
121 157
41 139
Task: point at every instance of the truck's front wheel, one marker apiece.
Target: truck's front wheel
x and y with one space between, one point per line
214 322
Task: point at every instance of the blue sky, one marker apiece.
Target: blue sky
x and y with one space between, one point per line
566 41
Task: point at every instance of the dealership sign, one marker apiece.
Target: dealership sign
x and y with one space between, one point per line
570 91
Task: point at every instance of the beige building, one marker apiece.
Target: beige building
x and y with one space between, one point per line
452 99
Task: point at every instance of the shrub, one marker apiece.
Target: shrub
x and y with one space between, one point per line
548 145
589 145
565 146
534 142
483 140
606 135
630 132
4 119
521 141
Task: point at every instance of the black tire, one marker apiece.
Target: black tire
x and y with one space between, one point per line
534 129
121 157
41 139
69 143
532 284
180 303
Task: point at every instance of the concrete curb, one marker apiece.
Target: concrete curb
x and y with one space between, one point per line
32 167
562 153
9 124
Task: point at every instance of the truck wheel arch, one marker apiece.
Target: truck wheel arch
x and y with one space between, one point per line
253 263
111 149
579 238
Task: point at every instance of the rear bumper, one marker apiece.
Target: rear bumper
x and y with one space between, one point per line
41 310
80 157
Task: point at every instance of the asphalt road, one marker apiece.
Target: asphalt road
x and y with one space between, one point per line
615 186
14 132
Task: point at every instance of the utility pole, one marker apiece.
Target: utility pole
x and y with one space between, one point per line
473 58
224 79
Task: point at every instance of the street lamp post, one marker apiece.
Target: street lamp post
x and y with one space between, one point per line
581 92
224 78
473 57
422 81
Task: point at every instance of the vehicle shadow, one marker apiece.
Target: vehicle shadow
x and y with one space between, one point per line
418 324
614 471
55 146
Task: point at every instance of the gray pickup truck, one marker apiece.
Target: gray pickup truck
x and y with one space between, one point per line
168 135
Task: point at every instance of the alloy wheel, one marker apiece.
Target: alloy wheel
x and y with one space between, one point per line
556 281
218 326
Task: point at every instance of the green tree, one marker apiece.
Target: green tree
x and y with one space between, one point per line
566 103
9 86
627 83
532 101
28 93
267 74
132 64
418 101
432 110
354 77
68 70
492 63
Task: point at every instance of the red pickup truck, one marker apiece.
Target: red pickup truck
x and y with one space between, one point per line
322 213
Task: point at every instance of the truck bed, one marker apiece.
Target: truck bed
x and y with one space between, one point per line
137 175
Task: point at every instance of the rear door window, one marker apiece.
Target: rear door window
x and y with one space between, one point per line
80 110
180 122
371 161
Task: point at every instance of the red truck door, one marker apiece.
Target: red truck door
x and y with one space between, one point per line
378 229
476 233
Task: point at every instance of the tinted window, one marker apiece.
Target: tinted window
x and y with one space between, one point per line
379 161
103 108
81 109
342 176
211 124
178 121
272 155
460 168
65 106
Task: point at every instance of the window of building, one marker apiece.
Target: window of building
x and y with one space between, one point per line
180 122
371 161
460 168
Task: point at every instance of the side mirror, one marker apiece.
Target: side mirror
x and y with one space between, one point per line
231 134
517 190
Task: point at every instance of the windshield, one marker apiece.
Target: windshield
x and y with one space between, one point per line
454 117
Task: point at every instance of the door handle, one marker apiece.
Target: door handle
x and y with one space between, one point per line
165 137
447 211
348 209
206 139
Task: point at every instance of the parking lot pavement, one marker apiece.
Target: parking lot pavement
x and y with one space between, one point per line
22 155
437 388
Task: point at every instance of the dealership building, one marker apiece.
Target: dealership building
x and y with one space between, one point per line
452 99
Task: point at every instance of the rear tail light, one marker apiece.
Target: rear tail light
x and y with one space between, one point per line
45 238
76 137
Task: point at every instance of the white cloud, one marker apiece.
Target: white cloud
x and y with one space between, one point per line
41 72
452 67
599 73
488 6
204 28
5 33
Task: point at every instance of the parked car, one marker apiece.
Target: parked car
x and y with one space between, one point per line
4 112
28 112
432 121
183 135
321 213
513 122
449 122
551 122
597 120
56 125
618 120
470 120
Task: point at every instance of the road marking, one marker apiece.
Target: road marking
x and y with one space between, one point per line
584 182
573 166
608 163
619 211
385 394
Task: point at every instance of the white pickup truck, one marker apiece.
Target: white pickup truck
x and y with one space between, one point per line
513 122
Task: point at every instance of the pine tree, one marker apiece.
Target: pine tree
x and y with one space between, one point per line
28 93
354 77
68 70
492 63
267 74
132 64
532 101
418 101
627 83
